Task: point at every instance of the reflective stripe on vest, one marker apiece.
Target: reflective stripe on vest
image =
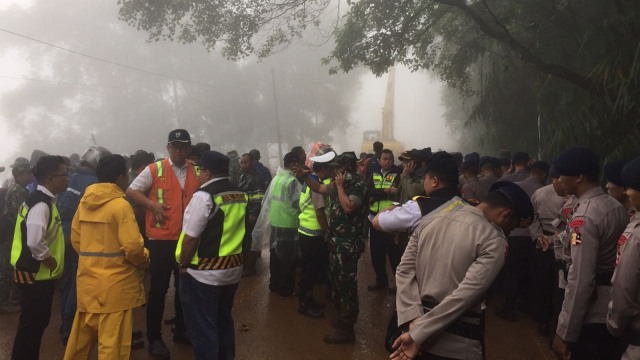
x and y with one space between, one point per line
233 205
380 182
54 239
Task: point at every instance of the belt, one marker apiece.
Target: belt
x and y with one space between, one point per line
459 327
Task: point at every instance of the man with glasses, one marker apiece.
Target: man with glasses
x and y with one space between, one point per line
37 255
168 185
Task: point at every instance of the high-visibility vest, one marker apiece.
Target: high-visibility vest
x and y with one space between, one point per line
308 220
27 270
220 245
280 212
382 182
166 190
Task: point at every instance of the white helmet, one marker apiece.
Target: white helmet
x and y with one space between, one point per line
92 155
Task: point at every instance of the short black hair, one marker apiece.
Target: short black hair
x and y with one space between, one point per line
141 158
248 155
448 179
289 159
496 199
255 154
319 166
378 146
387 151
110 167
46 166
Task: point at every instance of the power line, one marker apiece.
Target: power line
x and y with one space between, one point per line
110 61
56 82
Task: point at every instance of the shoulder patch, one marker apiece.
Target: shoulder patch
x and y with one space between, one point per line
576 223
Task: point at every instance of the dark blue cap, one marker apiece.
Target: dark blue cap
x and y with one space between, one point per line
520 156
576 161
553 173
473 155
540 165
470 163
214 161
517 197
494 162
631 174
613 171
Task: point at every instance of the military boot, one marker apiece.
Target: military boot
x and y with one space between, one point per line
342 334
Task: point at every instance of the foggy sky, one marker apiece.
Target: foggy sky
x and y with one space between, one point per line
418 117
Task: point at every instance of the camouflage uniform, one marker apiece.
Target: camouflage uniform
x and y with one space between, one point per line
346 244
14 198
252 184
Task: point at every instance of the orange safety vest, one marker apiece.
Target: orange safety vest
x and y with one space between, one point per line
166 190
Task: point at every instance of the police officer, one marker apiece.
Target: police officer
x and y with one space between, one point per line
382 186
312 228
623 318
472 190
519 167
209 254
252 183
440 185
615 185
594 228
346 242
444 314
37 255
412 177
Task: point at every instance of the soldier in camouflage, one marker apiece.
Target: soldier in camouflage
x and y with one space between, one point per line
15 196
346 241
234 167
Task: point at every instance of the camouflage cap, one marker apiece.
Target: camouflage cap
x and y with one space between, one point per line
21 164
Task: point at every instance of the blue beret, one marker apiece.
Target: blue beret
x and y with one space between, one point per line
214 161
517 197
553 173
613 171
520 156
576 161
631 174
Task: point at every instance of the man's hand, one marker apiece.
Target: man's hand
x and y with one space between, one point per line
543 242
409 168
340 177
560 348
406 348
157 211
300 171
50 262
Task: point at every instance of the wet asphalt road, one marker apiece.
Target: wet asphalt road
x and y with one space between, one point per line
269 327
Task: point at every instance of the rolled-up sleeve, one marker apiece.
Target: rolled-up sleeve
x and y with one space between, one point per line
197 214
36 222
403 218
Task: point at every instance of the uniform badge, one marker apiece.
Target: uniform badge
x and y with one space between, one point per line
621 241
576 238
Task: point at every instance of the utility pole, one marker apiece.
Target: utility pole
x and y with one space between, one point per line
275 102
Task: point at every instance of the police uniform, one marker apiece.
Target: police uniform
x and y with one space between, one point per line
215 217
448 310
381 243
623 318
595 226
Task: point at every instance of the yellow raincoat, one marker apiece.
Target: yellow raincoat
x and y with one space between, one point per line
105 234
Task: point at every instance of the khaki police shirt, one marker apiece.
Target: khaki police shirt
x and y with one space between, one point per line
593 230
451 259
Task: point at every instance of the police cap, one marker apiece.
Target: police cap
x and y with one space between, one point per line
215 162
347 158
631 174
518 198
520 157
442 162
576 161
613 171
553 173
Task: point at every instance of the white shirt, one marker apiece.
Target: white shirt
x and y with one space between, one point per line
144 181
196 216
36 223
402 218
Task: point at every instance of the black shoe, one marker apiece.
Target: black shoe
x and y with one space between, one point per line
181 338
376 287
341 336
170 321
159 350
310 311
137 344
315 304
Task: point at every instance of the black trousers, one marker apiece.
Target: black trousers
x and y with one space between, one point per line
382 246
282 260
162 254
35 304
518 270
595 343
314 252
544 285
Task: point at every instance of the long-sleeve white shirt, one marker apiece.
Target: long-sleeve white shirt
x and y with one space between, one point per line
37 222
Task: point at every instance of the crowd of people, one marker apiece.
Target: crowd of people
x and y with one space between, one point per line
542 239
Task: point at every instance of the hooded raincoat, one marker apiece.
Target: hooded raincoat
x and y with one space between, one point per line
105 234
